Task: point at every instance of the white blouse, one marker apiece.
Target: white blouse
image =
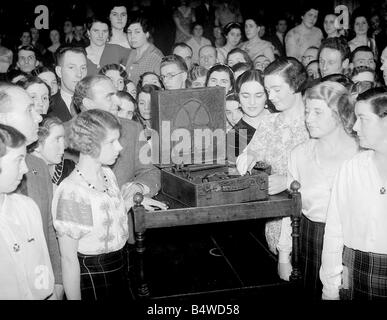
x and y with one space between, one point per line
25 266
356 218
316 183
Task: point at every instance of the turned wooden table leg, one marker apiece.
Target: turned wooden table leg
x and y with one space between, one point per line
296 216
139 234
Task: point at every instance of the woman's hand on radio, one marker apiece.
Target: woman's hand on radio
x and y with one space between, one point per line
245 162
152 204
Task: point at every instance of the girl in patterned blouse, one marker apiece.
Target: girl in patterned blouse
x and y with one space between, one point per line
280 132
90 214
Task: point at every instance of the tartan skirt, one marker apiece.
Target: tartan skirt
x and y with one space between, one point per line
311 245
104 276
367 275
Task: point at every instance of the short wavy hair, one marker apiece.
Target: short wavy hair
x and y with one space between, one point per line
45 127
291 70
242 52
10 138
88 130
337 98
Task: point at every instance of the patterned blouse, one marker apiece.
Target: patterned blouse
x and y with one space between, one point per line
97 219
272 143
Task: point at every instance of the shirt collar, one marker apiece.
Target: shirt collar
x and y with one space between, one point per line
66 98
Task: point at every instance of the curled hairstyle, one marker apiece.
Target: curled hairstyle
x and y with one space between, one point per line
89 129
249 76
291 70
117 67
219 67
45 126
337 98
377 98
10 138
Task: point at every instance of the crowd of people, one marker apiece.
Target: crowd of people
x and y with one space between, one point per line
310 102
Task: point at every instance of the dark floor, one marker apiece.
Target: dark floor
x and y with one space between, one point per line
228 260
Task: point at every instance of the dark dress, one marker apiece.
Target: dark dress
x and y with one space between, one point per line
238 138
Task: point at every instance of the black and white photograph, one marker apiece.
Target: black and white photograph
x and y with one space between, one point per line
194 158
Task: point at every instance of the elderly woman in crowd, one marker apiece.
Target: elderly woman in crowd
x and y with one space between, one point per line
354 255
314 163
280 132
26 271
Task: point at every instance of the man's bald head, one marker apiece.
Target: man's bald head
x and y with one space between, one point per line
17 110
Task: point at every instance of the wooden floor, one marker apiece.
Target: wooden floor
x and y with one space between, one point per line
227 260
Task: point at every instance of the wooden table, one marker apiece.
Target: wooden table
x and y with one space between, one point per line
283 205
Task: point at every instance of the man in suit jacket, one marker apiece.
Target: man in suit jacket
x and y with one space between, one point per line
278 38
71 67
17 110
205 15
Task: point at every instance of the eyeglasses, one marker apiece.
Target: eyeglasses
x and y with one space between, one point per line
169 76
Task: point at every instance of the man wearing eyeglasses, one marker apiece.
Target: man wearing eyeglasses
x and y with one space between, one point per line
26 59
174 71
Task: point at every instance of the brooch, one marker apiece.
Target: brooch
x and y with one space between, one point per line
16 247
382 190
